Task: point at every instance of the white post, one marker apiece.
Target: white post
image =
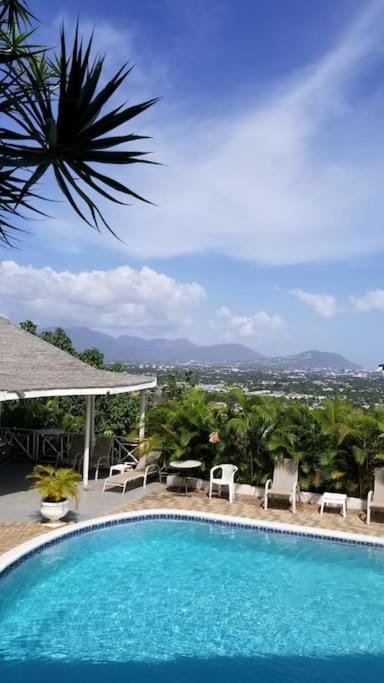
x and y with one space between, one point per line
142 417
88 439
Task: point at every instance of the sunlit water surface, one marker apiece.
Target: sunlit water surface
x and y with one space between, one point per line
170 601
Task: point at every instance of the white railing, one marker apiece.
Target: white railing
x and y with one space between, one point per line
123 450
53 445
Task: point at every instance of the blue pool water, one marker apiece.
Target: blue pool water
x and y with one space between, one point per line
175 601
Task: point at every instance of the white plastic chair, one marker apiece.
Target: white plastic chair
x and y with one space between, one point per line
227 479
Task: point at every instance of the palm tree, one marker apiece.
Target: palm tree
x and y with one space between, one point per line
286 438
188 425
336 420
367 450
55 484
251 421
54 116
352 444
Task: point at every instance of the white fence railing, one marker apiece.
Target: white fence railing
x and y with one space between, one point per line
54 446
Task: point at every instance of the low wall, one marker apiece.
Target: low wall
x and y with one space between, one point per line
173 480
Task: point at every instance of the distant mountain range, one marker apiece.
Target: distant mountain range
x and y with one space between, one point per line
308 360
135 349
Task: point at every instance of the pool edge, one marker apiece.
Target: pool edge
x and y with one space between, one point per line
12 558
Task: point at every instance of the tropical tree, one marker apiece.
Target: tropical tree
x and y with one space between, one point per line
92 357
29 326
247 430
335 418
117 367
58 112
192 428
172 389
117 415
365 451
60 339
296 434
190 378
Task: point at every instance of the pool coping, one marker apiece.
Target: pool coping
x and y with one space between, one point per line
12 558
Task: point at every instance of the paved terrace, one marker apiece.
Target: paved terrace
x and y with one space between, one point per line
13 533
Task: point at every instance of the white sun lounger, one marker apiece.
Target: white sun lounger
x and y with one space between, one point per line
148 464
375 498
284 483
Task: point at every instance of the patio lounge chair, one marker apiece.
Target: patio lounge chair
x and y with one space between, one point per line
375 498
5 450
227 479
284 483
75 452
148 464
100 456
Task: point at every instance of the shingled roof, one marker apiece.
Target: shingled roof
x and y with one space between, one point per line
31 367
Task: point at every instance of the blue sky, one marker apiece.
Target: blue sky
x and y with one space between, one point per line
268 227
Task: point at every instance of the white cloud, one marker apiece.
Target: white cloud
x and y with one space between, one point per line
324 304
328 306
293 177
260 324
123 299
372 300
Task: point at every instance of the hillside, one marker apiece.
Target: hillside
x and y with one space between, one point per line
313 360
136 349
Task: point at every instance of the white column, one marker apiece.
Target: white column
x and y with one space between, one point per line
88 438
142 417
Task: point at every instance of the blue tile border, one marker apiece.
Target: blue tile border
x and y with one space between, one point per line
180 517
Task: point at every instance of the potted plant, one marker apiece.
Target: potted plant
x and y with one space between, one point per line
56 486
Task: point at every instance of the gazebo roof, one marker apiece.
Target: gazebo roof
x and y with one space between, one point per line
31 367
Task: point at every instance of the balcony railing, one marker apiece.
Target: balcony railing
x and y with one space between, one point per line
54 445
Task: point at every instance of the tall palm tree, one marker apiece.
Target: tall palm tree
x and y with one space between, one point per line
250 424
189 423
335 419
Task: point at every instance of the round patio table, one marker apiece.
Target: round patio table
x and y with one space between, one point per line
183 466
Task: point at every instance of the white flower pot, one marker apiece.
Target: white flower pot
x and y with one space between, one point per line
54 511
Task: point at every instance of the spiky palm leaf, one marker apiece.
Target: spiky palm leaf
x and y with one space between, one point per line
55 484
10 203
14 46
69 132
15 13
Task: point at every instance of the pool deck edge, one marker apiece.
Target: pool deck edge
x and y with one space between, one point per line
16 554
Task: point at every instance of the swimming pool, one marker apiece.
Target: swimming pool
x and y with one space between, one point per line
183 601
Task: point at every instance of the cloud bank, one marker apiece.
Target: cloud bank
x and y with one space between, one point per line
373 300
123 299
327 305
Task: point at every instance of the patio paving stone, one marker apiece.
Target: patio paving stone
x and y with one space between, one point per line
14 533
250 506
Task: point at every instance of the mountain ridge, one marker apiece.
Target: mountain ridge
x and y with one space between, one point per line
126 348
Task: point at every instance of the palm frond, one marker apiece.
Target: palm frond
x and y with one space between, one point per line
14 46
15 13
70 132
11 188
